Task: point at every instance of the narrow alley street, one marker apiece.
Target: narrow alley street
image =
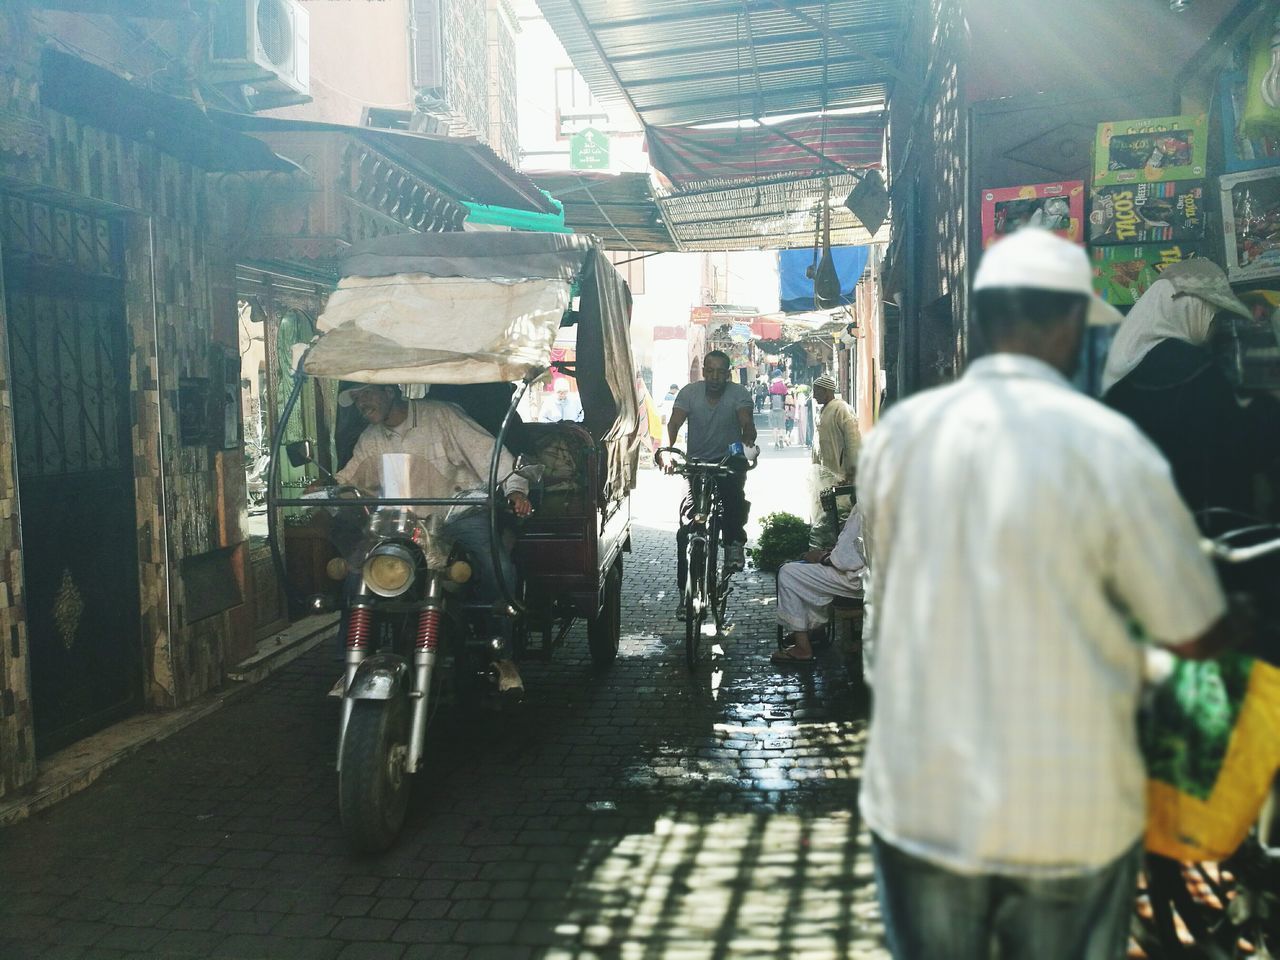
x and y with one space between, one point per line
640 814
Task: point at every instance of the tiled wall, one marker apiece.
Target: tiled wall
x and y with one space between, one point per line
174 224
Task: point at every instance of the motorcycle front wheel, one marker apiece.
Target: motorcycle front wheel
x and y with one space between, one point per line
373 786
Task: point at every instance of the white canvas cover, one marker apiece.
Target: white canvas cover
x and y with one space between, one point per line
415 328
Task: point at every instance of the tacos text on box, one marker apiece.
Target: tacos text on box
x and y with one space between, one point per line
1052 206
1152 150
1122 274
1147 212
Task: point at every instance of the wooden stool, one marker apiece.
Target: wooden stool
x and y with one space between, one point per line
846 613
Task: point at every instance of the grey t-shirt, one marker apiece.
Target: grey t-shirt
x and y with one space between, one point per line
713 427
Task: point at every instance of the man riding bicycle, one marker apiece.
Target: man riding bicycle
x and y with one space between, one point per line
719 413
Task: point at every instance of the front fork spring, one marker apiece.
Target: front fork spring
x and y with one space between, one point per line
428 637
359 629
359 640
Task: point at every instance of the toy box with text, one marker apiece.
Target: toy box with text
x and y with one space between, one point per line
1053 206
1240 153
1151 151
1147 212
1251 224
1121 274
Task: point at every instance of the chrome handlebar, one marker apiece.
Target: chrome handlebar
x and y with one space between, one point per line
1220 550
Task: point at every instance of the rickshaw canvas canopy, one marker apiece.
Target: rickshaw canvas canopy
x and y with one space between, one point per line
447 308
485 308
414 328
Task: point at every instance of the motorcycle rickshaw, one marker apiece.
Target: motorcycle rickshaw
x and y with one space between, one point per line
472 318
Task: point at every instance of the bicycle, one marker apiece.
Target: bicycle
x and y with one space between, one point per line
707 586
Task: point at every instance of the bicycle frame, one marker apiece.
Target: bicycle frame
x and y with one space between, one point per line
706 583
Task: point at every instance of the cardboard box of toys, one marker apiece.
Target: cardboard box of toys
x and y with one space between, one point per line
1147 212
1251 224
1151 151
1122 274
1240 153
1054 206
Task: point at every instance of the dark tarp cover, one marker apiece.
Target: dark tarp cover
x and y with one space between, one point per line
792 148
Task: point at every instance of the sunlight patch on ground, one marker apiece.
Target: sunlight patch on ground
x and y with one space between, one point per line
640 645
740 885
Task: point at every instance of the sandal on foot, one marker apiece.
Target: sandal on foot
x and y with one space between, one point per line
787 657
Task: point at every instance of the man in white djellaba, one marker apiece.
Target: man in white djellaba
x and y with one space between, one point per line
806 588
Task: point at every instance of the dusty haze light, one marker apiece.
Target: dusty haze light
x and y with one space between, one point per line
1178 6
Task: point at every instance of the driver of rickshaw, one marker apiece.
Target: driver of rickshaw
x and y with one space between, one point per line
460 450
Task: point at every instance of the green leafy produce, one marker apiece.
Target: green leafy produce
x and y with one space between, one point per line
783 537
1194 713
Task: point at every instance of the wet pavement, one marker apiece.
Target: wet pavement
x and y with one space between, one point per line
644 813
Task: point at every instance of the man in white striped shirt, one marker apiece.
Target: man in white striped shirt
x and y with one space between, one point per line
1014 529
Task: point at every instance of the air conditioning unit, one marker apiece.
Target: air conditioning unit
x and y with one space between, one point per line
262 45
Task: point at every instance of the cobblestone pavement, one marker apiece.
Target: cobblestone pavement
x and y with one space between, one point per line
640 814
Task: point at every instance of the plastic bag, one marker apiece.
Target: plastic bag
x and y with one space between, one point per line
1212 746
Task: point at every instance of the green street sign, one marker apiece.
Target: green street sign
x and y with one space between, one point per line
589 150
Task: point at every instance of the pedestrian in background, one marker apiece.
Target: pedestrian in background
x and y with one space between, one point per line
668 403
1015 529
777 402
564 405
802 414
835 460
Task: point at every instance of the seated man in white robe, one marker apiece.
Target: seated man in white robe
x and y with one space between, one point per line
806 588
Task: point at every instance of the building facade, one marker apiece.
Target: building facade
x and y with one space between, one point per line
157 265
120 456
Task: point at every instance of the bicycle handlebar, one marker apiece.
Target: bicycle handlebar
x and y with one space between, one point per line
689 465
1220 550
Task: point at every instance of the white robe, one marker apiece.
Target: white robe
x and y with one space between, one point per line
805 590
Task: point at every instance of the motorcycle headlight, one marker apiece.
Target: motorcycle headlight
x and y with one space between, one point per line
388 570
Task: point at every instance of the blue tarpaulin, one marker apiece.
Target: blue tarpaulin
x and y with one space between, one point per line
796 293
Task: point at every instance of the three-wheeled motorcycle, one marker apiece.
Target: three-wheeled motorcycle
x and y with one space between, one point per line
474 319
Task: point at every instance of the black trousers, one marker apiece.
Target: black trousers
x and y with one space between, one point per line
736 507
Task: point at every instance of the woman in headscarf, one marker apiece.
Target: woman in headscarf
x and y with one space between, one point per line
1161 373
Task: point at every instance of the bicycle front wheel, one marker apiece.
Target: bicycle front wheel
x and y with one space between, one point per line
695 603
714 604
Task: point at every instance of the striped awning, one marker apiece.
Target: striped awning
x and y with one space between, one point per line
803 146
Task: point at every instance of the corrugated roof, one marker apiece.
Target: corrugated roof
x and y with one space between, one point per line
697 62
771 215
177 127
686 62
620 209
464 167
